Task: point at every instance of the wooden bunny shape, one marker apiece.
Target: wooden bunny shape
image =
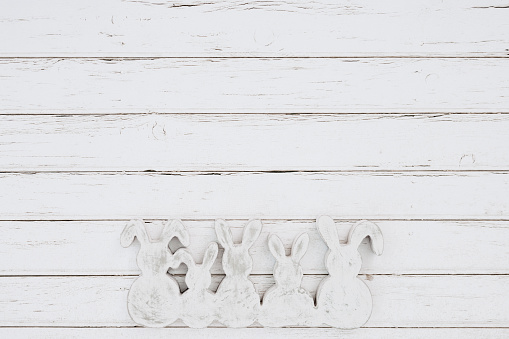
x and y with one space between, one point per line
343 300
198 302
237 300
154 297
287 303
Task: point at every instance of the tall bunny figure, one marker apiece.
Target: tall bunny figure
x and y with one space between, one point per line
238 301
343 300
287 303
154 297
198 302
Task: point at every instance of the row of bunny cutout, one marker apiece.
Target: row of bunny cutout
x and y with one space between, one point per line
342 299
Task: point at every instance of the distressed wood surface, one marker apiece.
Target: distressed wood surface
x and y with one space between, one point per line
309 142
254 28
411 247
299 195
254 333
398 301
253 85
108 61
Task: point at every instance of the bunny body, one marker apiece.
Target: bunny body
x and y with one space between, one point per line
154 297
237 300
343 300
286 303
198 302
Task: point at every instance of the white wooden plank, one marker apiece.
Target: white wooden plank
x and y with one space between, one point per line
254 333
411 247
187 142
387 85
398 301
353 195
253 28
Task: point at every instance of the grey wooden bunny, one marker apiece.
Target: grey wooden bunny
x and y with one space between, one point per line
238 301
154 297
287 303
343 300
198 302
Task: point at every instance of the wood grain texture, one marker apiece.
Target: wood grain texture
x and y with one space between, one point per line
254 333
398 301
305 85
208 195
245 142
411 247
254 28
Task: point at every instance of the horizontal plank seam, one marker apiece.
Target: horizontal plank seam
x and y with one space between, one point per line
252 327
475 55
265 219
378 116
233 172
317 114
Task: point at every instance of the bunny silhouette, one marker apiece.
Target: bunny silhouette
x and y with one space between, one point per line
154 297
198 302
286 303
237 300
343 300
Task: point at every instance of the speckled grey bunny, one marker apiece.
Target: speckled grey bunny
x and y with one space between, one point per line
198 302
287 303
237 300
154 297
343 300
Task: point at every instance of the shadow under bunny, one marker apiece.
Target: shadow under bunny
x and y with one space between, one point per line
342 299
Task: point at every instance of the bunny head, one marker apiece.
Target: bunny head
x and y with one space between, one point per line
236 258
198 276
154 257
344 260
287 271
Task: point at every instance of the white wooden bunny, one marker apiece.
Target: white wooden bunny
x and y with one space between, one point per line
343 300
287 303
198 302
154 297
237 300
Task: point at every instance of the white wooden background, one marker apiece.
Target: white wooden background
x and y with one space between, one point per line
394 111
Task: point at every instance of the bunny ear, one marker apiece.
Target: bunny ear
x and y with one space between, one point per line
210 255
299 247
365 229
224 234
182 255
175 228
328 231
134 228
251 233
276 247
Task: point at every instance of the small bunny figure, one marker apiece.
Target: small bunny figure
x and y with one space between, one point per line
198 302
154 297
343 300
238 301
286 303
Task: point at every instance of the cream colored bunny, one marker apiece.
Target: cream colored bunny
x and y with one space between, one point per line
237 300
154 297
198 302
287 303
343 300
